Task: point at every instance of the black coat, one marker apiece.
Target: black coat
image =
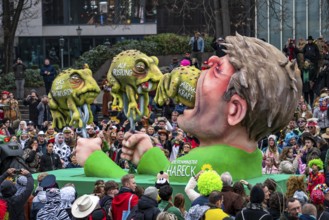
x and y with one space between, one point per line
253 214
15 204
146 208
50 162
33 111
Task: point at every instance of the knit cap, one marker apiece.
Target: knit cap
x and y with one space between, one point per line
151 192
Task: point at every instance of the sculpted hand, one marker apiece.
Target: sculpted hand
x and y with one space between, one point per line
85 147
134 146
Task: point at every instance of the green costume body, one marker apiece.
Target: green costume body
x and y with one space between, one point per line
222 158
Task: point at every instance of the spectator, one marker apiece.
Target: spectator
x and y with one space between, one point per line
165 193
186 149
218 47
19 72
73 162
125 198
311 52
53 208
42 144
254 209
5 101
318 198
48 73
62 149
166 216
215 212
187 56
111 190
174 64
308 212
32 101
15 203
290 50
316 176
32 156
44 112
270 166
233 202
87 207
50 160
147 207
107 98
277 204
179 202
68 196
8 130
272 150
50 133
21 128
13 113
293 210
23 139
197 46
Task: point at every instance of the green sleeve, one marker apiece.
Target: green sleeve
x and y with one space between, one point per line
99 164
152 162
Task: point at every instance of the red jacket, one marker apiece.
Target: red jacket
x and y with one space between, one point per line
120 203
314 180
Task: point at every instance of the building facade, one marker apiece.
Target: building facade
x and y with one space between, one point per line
276 21
72 27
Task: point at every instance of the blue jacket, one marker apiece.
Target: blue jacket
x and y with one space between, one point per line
200 43
51 70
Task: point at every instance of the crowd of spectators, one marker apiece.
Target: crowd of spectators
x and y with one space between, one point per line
301 148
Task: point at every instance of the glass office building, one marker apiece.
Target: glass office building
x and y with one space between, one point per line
83 24
276 21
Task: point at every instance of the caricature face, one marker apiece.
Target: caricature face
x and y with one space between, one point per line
210 108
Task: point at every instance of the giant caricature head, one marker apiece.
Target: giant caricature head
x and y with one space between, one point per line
254 88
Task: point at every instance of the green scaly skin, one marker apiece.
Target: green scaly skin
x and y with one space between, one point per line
70 90
130 73
179 85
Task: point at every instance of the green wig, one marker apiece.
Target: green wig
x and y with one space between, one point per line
209 181
317 162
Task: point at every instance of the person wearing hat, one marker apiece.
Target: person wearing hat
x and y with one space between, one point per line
320 113
309 148
197 46
290 49
69 137
42 143
316 176
311 52
15 203
147 207
254 209
318 199
164 140
87 207
218 47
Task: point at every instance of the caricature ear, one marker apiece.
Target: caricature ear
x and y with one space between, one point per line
237 109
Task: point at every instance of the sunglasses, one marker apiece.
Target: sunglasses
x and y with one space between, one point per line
301 121
310 127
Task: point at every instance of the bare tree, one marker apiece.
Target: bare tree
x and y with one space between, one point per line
13 11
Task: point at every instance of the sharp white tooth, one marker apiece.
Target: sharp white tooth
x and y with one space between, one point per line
150 86
139 89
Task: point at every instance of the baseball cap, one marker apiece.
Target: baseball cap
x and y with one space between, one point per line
67 130
41 133
89 127
30 123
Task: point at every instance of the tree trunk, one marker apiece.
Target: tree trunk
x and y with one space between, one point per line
226 18
218 19
10 19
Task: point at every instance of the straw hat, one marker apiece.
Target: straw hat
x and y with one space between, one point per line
84 206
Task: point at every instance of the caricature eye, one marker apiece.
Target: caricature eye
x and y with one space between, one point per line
140 67
75 76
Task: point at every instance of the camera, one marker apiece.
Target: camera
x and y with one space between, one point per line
17 171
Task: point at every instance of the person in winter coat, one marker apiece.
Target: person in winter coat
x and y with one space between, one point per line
15 203
289 164
147 207
125 198
48 73
32 101
111 189
63 150
52 208
254 209
50 161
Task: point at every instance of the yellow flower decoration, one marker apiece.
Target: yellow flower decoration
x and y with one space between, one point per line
206 166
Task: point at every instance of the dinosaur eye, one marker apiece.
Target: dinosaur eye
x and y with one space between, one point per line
140 67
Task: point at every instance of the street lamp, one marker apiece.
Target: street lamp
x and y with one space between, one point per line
79 31
61 45
107 43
